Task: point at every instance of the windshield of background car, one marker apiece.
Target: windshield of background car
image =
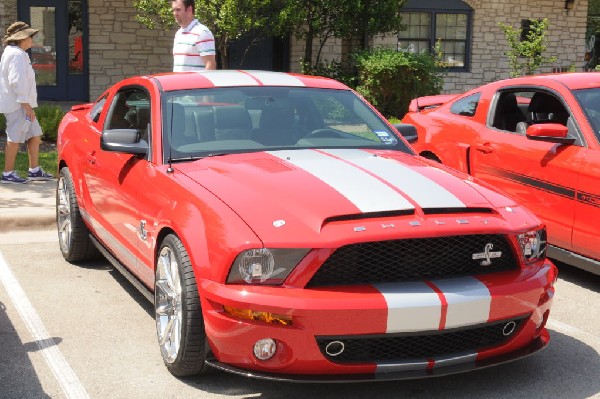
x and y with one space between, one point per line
227 120
589 100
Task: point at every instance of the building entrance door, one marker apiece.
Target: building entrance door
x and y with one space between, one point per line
59 51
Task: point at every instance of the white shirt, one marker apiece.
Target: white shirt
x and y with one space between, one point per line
17 80
190 45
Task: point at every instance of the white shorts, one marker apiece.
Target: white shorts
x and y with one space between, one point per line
15 131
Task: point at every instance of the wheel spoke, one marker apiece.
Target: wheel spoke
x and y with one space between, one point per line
167 288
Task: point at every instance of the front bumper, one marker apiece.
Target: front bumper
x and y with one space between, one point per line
378 311
534 346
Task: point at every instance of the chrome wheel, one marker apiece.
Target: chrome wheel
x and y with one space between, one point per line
63 215
73 235
168 300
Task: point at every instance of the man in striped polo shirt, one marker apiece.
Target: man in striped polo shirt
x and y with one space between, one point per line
194 44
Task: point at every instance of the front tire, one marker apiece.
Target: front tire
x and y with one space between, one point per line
73 234
179 321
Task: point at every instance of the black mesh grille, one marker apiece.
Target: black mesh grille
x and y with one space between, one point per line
413 259
398 348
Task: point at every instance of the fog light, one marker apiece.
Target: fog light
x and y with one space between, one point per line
265 348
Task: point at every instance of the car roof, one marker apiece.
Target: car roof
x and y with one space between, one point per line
235 78
572 80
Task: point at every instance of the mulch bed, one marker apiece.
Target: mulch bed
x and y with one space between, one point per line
45 146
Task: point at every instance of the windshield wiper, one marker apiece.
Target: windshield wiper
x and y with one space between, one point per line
196 157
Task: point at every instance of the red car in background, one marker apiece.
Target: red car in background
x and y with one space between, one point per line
537 139
283 230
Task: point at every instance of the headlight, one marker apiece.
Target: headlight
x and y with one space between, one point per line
533 245
269 266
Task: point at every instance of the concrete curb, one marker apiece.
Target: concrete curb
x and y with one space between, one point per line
28 206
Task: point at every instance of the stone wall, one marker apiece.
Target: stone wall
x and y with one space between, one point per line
8 15
566 39
121 47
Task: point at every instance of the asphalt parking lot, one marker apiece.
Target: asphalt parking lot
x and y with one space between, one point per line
84 331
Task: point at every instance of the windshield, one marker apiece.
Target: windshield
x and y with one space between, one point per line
589 100
220 121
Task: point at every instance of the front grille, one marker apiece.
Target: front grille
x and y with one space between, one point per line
413 259
409 347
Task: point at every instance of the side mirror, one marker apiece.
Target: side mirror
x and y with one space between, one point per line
551 132
123 140
408 131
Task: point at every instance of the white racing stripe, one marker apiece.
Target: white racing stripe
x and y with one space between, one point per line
468 301
366 192
457 359
223 78
63 373
417 306
424 191
276 79
412 306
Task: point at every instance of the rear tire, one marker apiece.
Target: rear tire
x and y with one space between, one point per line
178 315
73 235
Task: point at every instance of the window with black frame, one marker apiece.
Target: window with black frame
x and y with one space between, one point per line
442 26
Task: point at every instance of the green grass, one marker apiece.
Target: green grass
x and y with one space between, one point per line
48 162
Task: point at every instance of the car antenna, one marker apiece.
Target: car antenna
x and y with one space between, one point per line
170 167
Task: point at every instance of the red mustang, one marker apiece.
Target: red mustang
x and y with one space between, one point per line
284 230
535 138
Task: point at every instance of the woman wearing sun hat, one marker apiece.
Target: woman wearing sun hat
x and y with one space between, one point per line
18 98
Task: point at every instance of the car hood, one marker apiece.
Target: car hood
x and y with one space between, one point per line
301 191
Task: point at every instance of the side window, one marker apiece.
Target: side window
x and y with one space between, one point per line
130 109
466 106
510 110
97 109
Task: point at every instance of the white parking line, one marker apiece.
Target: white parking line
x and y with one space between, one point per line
570 330
63 373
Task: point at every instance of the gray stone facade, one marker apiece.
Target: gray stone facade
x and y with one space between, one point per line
120 47
566 39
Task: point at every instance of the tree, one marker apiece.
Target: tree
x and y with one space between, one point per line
227 19
526 56
323 19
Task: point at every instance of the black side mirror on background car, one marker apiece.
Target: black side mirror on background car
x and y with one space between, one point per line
551 132
409 132
123 140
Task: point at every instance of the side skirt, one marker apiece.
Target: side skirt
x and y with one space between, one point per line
145 291
573 259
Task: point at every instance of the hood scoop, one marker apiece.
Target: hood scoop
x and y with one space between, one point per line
369 215
453 211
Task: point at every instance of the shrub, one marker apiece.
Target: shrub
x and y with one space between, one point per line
49 117
346 74
526 53
389 79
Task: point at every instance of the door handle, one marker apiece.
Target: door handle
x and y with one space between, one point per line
484 148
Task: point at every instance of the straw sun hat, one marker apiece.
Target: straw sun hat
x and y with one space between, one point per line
18 31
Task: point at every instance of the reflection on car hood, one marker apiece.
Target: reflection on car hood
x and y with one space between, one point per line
306 188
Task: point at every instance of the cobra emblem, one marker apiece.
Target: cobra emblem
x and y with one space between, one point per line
487 255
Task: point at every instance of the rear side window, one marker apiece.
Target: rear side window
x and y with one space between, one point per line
466 106
97 109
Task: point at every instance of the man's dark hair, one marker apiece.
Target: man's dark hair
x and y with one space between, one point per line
189 3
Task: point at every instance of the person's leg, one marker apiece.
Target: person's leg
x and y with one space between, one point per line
14 136
33 151
34 139
10 155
